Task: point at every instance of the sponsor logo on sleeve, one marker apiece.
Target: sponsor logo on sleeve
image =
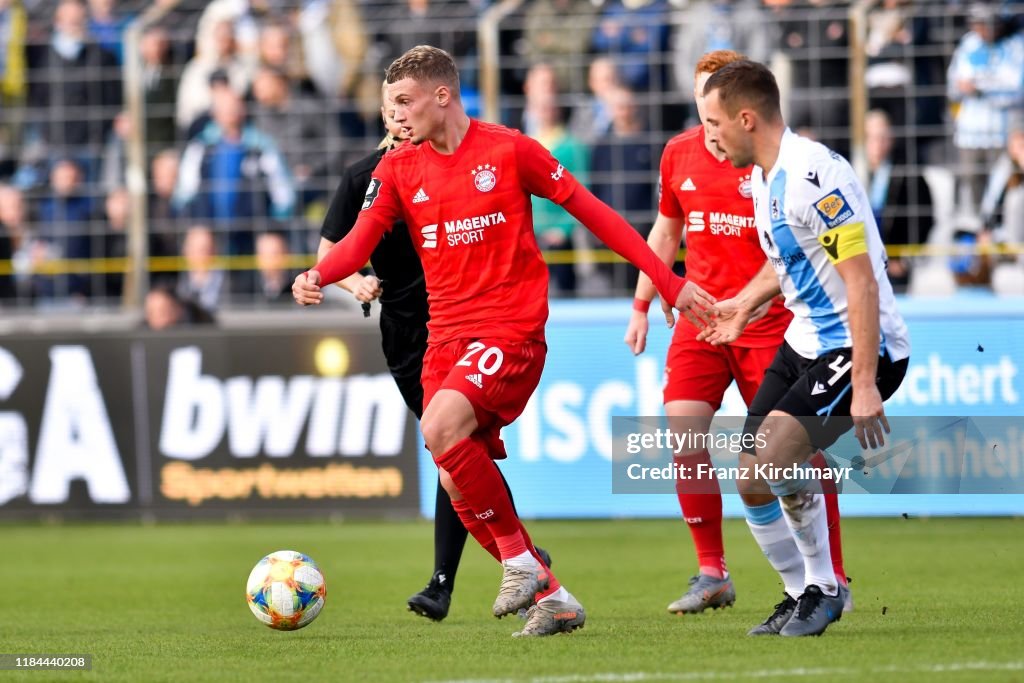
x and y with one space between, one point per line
557 175
844 242
372 192
834 209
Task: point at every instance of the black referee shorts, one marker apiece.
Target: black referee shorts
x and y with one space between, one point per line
404 346
818 391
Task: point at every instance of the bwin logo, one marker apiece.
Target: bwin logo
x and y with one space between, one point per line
429 233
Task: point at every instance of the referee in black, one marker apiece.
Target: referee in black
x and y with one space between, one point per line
399 285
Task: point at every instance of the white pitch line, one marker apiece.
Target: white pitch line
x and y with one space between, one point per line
649 677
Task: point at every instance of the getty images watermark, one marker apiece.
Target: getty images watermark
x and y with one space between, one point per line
920 455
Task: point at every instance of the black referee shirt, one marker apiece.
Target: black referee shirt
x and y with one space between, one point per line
394 260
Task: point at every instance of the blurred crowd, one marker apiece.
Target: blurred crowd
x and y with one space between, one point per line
251 109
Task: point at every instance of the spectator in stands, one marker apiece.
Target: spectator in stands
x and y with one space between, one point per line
13 84
1005 188
107 25
18 238
280 51
202 282
164 309
703 26
899 195
541 83
114 160
10 236
163 215
624 164
64 227
623 170
900 65
75 88
117 211
634 33
815 42
338 61
447 24
306 135
231 173
985 80
592 119
558 33
161 86
274 282
219 52
555 227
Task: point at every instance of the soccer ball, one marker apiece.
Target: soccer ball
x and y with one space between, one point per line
286 590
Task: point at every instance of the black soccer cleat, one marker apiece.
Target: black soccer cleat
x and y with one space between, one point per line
544 555
779 618
433 601
814 612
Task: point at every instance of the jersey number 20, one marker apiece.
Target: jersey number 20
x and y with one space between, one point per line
488 363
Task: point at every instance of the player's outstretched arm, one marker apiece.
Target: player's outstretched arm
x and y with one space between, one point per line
862 300
343 259
620 237
663 241
731 316
365 288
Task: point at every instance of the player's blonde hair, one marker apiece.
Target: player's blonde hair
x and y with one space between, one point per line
425 63
711 62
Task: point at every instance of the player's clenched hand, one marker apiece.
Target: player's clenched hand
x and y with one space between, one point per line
869 417
727 324
636 333
695 304
306 289
368 290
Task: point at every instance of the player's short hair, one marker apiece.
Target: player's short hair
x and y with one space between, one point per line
425 63
748 84
711 62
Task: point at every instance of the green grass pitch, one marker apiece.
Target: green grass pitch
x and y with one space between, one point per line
936 599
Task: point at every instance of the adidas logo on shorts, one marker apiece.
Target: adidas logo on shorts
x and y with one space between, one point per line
420 197
476 379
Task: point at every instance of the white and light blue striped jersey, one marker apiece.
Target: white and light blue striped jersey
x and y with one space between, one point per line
812 212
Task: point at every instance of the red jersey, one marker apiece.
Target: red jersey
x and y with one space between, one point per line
471 220
723 252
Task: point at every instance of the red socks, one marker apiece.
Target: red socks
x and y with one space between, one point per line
476 528
701 503
483 495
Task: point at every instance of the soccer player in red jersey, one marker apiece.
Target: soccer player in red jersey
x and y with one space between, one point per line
463 188
703 192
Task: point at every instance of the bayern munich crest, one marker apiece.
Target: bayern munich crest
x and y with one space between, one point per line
484 178
745 188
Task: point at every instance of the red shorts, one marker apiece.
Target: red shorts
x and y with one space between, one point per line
698 371
498 376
